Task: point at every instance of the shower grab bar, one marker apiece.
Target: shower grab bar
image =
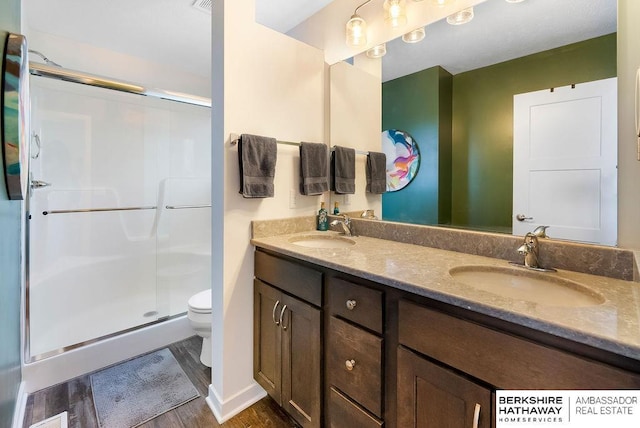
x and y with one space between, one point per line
184 207
91 210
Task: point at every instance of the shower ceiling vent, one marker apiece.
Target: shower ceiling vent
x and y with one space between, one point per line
203 6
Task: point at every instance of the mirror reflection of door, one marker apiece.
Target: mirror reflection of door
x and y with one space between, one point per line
565 162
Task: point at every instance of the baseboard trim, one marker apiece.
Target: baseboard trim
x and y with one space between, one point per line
86 359
20 407
225 410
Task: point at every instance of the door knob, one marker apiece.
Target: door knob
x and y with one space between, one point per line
522 217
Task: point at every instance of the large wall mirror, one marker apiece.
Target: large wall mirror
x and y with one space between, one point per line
454 93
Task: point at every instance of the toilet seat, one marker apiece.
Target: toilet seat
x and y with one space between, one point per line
200 302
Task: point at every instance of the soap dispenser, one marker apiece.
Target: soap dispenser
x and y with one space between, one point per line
323 220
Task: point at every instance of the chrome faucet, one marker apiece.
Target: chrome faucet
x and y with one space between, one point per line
540 231
529 249
346 224
370 214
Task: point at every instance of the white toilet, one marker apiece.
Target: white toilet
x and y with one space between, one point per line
199 315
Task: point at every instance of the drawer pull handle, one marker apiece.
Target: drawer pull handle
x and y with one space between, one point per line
273 313
476 415
284 308
351 304
350 364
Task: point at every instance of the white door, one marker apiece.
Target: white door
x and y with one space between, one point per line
565 162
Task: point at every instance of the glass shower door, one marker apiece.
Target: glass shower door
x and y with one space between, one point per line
92 264
184 209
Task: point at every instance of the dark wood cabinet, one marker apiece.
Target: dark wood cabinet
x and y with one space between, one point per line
354 364
354 355
501 359
431 396
301 355
287 343
339 351
347 414
267 341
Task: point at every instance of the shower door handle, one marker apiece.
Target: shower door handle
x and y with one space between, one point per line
39 184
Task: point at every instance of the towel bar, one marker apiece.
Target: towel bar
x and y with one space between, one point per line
234 138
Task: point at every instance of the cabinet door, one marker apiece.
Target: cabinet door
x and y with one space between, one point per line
434 397
301 348
267 339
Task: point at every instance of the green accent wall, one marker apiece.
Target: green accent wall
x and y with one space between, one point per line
483 123
10 268
469 183
420 104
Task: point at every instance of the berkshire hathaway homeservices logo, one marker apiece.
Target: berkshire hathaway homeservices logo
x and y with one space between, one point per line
574 408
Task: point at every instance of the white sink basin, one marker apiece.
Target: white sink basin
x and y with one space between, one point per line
516 283
322 241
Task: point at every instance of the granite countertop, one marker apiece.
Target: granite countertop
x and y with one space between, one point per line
613 325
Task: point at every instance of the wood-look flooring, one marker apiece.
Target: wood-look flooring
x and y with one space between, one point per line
76 398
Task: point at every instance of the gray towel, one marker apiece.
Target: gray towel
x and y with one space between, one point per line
376 172
314 160
257 160
343 170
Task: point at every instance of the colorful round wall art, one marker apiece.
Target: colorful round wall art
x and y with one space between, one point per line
403 158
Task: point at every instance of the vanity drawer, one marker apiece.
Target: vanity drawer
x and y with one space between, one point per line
344 413
354 364
301 281
503 360
356 303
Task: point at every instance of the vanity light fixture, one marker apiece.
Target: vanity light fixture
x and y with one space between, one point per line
514 1
413 36
440 3
395 12
461 17
377 51
357 29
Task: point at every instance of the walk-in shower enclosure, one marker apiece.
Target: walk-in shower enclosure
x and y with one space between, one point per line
119 212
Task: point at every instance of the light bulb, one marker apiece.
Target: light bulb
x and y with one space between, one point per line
414 36
395 12
461 17
377 51
356 31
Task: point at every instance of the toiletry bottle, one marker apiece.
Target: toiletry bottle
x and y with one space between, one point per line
323 220
336 210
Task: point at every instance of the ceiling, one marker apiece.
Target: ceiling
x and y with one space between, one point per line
501 31
162 31
171 31
284 15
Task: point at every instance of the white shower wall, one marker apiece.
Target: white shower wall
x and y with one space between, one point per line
93 274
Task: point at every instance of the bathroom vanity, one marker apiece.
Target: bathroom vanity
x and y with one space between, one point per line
381 333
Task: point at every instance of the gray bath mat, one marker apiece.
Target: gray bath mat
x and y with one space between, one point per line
138 390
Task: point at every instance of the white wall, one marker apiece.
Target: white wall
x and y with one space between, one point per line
267 84
356 121
628 150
